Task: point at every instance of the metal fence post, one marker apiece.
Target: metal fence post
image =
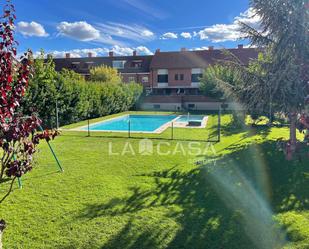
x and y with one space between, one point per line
57 115
219 125
88 127
129 129
172 131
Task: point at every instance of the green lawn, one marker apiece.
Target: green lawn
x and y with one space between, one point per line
244 196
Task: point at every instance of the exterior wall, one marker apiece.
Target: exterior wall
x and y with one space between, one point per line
138 77
175 83
154 78
163 106
171 78
199 106
126 77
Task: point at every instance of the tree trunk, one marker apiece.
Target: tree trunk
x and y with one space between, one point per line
293 140
1 239
2 227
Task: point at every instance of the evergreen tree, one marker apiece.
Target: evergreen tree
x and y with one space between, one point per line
284 34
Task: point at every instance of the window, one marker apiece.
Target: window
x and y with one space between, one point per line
145 79
88 64
168 92
196 77
136 64
131 78
156 106
191 106
179 77
193 91
197 74
118 64
75 65
162 76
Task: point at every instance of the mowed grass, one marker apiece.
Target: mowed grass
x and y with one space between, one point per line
241 194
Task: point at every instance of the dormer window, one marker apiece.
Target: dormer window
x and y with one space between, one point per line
89 64
75 64
136 64
119 64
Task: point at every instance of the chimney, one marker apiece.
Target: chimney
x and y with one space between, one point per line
111 54
183 49
240 46
134 53
90 55
158 51
67 55
211 48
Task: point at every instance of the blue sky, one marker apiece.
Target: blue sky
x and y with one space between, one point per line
80 26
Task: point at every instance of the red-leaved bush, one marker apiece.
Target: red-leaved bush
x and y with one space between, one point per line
18 134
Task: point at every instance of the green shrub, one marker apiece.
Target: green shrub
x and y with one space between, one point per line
76 98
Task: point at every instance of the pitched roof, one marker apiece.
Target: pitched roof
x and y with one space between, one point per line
199 59
83 63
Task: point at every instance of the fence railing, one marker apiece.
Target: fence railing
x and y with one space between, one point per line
172 130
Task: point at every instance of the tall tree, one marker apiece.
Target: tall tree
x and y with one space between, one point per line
284 33
278 80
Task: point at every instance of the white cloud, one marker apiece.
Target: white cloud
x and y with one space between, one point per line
147 33
31 29
250 18
200 48
229 32
130 32
169 35
143 50
82 31
220 33
118 50
186 35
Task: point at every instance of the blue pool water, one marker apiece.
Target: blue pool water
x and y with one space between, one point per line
138 123
184 118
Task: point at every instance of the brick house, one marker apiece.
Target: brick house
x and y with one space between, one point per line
132 68
170 79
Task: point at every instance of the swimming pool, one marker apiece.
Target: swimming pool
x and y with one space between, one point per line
137 123
187 118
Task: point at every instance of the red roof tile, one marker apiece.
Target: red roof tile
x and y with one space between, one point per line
199 59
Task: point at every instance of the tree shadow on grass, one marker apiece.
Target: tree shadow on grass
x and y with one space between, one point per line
226 204
187 200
